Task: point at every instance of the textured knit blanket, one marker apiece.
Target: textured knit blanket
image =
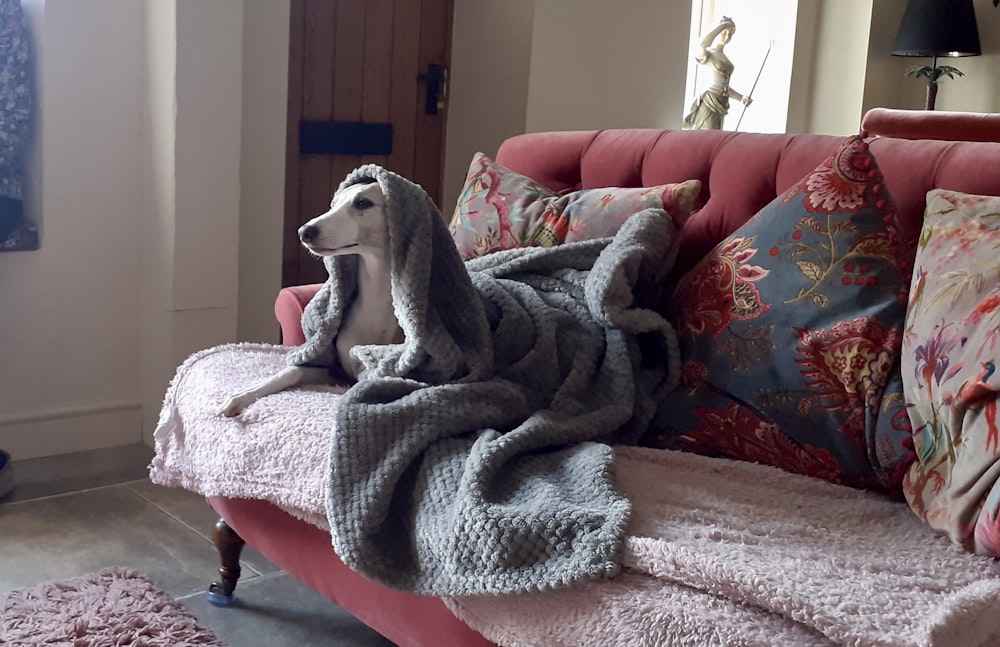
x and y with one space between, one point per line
716 553
471 458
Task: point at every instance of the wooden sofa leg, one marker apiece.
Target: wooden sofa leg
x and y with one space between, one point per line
230 546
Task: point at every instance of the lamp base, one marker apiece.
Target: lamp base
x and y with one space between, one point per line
931 99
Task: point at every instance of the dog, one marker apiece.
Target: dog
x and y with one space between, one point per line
356 223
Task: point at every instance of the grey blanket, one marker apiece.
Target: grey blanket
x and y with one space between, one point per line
473 457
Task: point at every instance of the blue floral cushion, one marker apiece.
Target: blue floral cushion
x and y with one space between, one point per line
790 333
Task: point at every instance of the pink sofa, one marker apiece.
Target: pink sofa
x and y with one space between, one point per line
740 174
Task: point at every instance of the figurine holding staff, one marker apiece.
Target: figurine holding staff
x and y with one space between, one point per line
711 107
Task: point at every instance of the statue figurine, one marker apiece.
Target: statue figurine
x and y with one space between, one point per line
711 107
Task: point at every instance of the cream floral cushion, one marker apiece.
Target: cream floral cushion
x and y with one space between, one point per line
951 346
501 209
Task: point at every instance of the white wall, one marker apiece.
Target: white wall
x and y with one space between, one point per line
69 368
885 83
829 69
262 166
599 64
137 179
490 64
191 180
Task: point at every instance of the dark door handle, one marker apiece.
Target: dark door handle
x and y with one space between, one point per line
436 80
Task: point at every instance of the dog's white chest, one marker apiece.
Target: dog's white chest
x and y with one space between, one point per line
366 324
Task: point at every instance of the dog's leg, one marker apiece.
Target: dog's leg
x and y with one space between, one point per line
286 378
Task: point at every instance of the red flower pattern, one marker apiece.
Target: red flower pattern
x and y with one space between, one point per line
801 341
847 365
693 373
721 288
739 433
839 185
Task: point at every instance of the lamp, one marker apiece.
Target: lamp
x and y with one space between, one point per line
937 28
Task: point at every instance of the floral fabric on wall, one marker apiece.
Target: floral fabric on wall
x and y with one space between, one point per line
15 124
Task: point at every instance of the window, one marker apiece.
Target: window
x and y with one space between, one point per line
760 25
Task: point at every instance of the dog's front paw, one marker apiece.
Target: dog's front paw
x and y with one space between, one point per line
234 405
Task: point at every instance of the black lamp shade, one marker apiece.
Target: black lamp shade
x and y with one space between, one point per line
938 28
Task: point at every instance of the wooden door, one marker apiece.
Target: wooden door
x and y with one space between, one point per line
358 68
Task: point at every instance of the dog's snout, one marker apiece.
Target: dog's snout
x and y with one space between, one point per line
308 233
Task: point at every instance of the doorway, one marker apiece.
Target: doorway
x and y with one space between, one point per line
367 83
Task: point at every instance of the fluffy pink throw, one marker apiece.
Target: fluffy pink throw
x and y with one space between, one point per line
718 553
276 450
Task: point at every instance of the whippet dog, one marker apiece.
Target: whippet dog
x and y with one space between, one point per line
356 223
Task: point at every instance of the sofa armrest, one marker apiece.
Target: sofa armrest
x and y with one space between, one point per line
928 124
288 307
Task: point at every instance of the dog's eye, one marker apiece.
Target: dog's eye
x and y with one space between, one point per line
363 203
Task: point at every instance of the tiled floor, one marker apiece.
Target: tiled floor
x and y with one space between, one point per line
79 513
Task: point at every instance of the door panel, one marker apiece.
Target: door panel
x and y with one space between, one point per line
358 61
429 168
404 104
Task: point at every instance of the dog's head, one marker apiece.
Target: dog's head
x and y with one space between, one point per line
355 223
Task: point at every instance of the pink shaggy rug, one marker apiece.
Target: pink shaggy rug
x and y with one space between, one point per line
114 608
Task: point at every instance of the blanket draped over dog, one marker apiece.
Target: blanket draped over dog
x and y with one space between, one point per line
470 459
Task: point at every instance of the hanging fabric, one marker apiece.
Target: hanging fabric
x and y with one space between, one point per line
15 126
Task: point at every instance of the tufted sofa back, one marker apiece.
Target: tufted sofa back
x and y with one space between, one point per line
742 172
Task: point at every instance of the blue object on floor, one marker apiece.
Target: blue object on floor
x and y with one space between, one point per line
218 598
6 474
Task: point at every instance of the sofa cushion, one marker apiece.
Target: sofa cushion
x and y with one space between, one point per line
500 209
950 350
790 333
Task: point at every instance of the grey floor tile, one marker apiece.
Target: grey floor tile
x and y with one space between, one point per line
41 477
192 510
278 610
73 534
79 513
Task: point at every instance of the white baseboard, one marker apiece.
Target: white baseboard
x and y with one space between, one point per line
74 428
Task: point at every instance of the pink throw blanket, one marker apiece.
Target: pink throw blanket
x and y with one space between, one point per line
718 552
276 450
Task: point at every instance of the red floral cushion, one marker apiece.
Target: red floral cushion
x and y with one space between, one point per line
501 209
790 333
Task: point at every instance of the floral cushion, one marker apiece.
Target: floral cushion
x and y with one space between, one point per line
500 209
790 333
950 350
